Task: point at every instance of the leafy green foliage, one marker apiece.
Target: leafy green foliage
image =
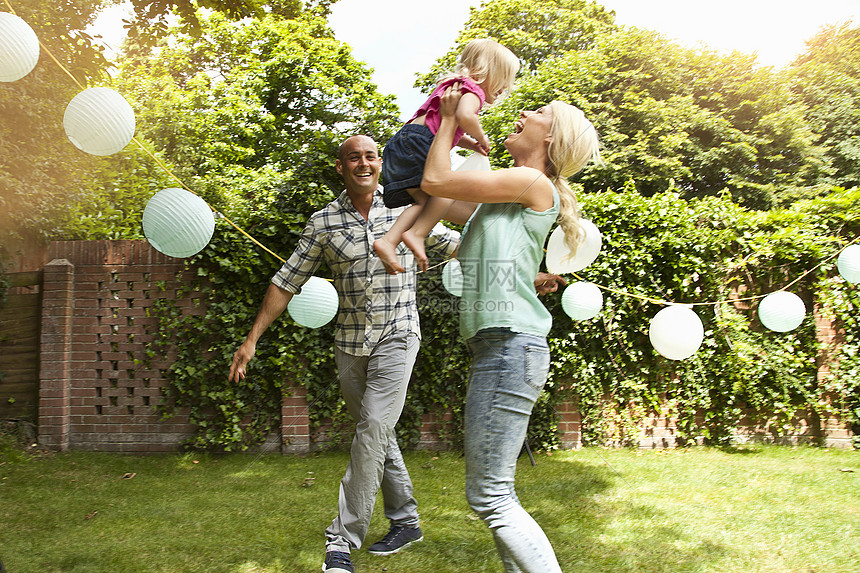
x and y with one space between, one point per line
671 117
535 32
253 108
40 170
827 79
698 147
699 251
251 116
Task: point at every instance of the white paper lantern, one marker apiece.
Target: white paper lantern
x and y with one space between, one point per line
99 121
676 332
177 222
586 253
848 264
582 300
316 305
452 277
19 48
475 162
781 311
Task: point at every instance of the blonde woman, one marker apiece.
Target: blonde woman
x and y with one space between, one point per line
501 318
485 70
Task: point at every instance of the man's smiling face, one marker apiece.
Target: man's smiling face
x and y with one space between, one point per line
359 164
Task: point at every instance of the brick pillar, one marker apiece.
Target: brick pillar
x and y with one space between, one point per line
56 354
569 425
436 430
295 426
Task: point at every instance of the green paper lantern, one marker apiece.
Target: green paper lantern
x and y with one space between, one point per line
315 305
475 162
452 277
582 300
99 121
781 311
19 48
178 223
676 332
848 263
557 260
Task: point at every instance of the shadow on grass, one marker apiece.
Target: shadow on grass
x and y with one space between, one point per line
598 521
740 449
249 514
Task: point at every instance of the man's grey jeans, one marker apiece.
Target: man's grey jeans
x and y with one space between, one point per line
374 389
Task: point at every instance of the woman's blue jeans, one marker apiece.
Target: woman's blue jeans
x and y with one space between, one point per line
508 372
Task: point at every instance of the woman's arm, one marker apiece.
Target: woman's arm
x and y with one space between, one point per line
524 185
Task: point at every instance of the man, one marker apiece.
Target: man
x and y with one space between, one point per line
376 342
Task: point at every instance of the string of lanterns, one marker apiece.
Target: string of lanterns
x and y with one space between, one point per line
676 332
179 223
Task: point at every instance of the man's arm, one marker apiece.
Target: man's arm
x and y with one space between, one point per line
274 304
442 240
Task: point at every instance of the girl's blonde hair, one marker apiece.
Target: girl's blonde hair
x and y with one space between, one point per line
487 60
574 142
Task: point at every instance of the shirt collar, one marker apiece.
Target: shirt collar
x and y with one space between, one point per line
346 203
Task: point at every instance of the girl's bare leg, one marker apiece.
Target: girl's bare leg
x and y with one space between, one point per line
386 246
434 210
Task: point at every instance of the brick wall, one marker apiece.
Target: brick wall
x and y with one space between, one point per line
99 389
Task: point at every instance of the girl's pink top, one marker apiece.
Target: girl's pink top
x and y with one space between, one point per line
430 108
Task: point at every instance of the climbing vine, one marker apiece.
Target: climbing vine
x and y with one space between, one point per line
663 247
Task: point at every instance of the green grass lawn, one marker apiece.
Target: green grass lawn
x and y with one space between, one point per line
762 509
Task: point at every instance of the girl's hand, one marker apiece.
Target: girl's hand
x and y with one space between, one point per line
450 99
468 142
483 144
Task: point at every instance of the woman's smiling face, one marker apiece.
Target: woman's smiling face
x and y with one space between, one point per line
530 130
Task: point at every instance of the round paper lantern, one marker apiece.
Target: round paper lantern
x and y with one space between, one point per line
316 305
557 251
848 263
582 300
177 222
781 311
676 332
99 121
19 48
475 162
452 277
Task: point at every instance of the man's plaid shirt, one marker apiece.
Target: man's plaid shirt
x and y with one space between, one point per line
373 304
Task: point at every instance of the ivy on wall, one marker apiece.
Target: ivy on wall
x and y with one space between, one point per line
691 251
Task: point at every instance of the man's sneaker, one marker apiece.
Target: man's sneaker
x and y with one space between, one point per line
396 539
337 562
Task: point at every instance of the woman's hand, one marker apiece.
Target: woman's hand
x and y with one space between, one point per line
450 100
546 283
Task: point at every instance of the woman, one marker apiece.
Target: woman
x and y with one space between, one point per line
501 318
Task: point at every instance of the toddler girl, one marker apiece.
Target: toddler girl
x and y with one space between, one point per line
485 69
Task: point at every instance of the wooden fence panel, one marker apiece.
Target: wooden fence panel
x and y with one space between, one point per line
20 318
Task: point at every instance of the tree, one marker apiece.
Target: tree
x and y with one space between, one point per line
40 170
674 117
151 17
250 115
244 109
827 80
534 31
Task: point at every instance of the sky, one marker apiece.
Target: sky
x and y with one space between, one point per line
399 38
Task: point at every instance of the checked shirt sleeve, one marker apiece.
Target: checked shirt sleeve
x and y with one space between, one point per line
304 261
443 240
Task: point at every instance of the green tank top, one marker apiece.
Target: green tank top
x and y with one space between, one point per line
500 254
